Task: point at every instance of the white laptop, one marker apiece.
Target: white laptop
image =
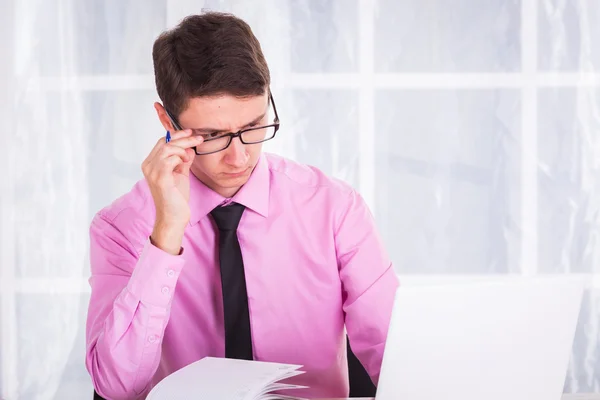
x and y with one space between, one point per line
509 339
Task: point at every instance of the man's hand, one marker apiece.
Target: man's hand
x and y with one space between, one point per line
167 171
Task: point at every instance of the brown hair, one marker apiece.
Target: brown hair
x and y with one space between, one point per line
207 55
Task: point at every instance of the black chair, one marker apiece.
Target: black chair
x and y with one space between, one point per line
360 381
97 396
361 384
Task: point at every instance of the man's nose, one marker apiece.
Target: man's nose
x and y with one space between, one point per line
236 153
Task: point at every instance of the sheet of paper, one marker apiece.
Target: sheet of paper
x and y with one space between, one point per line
221 378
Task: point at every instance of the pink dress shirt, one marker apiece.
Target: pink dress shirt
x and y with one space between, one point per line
314 265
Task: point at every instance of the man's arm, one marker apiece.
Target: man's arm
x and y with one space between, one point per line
369 283
128 310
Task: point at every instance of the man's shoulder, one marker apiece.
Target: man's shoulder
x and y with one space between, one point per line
298 176
133 210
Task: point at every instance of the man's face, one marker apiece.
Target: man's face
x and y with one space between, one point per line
227 170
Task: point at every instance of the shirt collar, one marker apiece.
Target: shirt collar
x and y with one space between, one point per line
254 194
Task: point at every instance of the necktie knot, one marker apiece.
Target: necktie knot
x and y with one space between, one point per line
228 217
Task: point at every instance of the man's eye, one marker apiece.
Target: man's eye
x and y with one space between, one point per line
213 135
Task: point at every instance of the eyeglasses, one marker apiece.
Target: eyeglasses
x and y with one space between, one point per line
215 142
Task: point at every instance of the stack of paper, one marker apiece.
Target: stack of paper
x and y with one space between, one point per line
227 379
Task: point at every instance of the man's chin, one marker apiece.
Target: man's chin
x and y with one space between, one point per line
231 181
230 186
236 176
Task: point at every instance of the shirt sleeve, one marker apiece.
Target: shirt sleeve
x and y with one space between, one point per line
129 309
369 283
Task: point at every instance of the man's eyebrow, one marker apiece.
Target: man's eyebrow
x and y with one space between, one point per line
214 130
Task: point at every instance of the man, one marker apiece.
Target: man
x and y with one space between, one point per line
224 251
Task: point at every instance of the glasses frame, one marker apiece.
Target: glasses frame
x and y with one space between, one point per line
233 135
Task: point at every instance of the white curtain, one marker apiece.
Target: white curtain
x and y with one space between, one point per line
471 127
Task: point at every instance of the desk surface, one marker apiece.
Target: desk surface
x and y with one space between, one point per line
565 397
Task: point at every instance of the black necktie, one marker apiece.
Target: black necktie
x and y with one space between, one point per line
238 339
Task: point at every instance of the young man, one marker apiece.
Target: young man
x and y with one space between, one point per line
224 251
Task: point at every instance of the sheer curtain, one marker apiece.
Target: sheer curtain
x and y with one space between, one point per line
472 128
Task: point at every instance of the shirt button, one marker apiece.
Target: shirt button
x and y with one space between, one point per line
170 273
152 338
165 290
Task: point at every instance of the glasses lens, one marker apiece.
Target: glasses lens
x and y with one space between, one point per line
258 135
213 145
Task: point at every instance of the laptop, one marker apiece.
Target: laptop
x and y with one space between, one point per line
506 339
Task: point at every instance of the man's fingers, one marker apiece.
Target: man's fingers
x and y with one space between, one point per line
185 167
187 142
153 162
168 151
162 141
171 162
180 134
180 144
163 168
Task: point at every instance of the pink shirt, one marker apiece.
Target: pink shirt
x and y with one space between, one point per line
313 263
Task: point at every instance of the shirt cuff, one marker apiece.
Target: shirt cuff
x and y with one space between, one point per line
155 276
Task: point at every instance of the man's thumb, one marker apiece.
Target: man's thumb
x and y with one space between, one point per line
186 165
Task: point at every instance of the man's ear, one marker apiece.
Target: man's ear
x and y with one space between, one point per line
163 117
